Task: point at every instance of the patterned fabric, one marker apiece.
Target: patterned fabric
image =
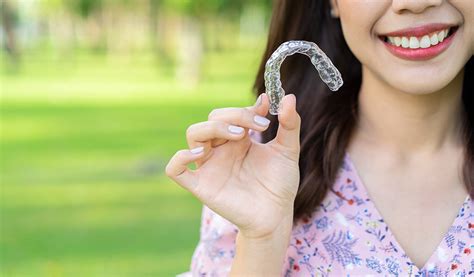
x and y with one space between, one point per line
345 236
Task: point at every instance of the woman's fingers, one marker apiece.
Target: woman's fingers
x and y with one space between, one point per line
177 168
200 133
228 124
252 117
288 134
262 105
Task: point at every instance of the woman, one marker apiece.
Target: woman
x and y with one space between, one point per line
377 178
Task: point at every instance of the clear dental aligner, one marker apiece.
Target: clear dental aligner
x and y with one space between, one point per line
327 71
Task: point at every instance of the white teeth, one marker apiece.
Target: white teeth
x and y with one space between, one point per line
441 36
434 39
419 42
425 42
405 42
414 43
398 41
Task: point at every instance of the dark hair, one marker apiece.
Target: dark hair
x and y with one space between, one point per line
328 118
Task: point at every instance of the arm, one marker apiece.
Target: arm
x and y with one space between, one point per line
262 256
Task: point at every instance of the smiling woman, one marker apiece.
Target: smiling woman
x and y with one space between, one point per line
420 43
346 183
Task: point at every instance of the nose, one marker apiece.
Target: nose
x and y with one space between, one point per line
414 6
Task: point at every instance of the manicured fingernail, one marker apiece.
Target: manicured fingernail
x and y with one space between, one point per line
235 129
259 101
197 150
260 120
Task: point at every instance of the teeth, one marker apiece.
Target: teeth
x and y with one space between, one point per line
419 42
398 41
425 42
442 35
414 43
405 42
434 39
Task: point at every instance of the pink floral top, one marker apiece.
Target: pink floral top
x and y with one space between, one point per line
345 236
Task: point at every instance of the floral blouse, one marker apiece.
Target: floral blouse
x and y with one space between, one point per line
345 236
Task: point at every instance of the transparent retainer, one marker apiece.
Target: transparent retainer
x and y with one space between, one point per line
327 71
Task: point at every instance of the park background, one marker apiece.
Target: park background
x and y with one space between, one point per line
96 96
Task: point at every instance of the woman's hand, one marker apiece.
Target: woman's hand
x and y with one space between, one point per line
253 185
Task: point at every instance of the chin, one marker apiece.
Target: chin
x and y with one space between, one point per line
419 85
422 80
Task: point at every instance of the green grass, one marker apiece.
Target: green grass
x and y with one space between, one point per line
83 148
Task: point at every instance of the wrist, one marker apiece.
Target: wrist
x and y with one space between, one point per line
276 242
262 255
279 227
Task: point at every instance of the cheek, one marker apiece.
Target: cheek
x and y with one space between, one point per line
466 9
363 19
358 26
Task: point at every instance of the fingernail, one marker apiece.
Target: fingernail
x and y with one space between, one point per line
259 101
235 129
197 150
260 120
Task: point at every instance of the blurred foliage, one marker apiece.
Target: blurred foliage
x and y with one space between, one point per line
85 8
206 7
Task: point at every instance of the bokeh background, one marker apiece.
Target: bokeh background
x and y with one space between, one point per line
96 96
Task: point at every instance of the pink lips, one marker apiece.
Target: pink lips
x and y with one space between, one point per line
420 53
419 31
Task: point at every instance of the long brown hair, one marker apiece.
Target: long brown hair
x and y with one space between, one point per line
328 118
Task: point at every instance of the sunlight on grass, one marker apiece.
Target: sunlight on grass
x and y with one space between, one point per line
84 145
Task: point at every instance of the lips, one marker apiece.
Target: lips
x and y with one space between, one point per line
419 43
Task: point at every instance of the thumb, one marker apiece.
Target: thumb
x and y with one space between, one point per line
288 134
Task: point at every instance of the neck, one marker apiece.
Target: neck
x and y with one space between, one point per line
405 123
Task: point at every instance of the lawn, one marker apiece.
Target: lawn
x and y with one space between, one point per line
84 144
